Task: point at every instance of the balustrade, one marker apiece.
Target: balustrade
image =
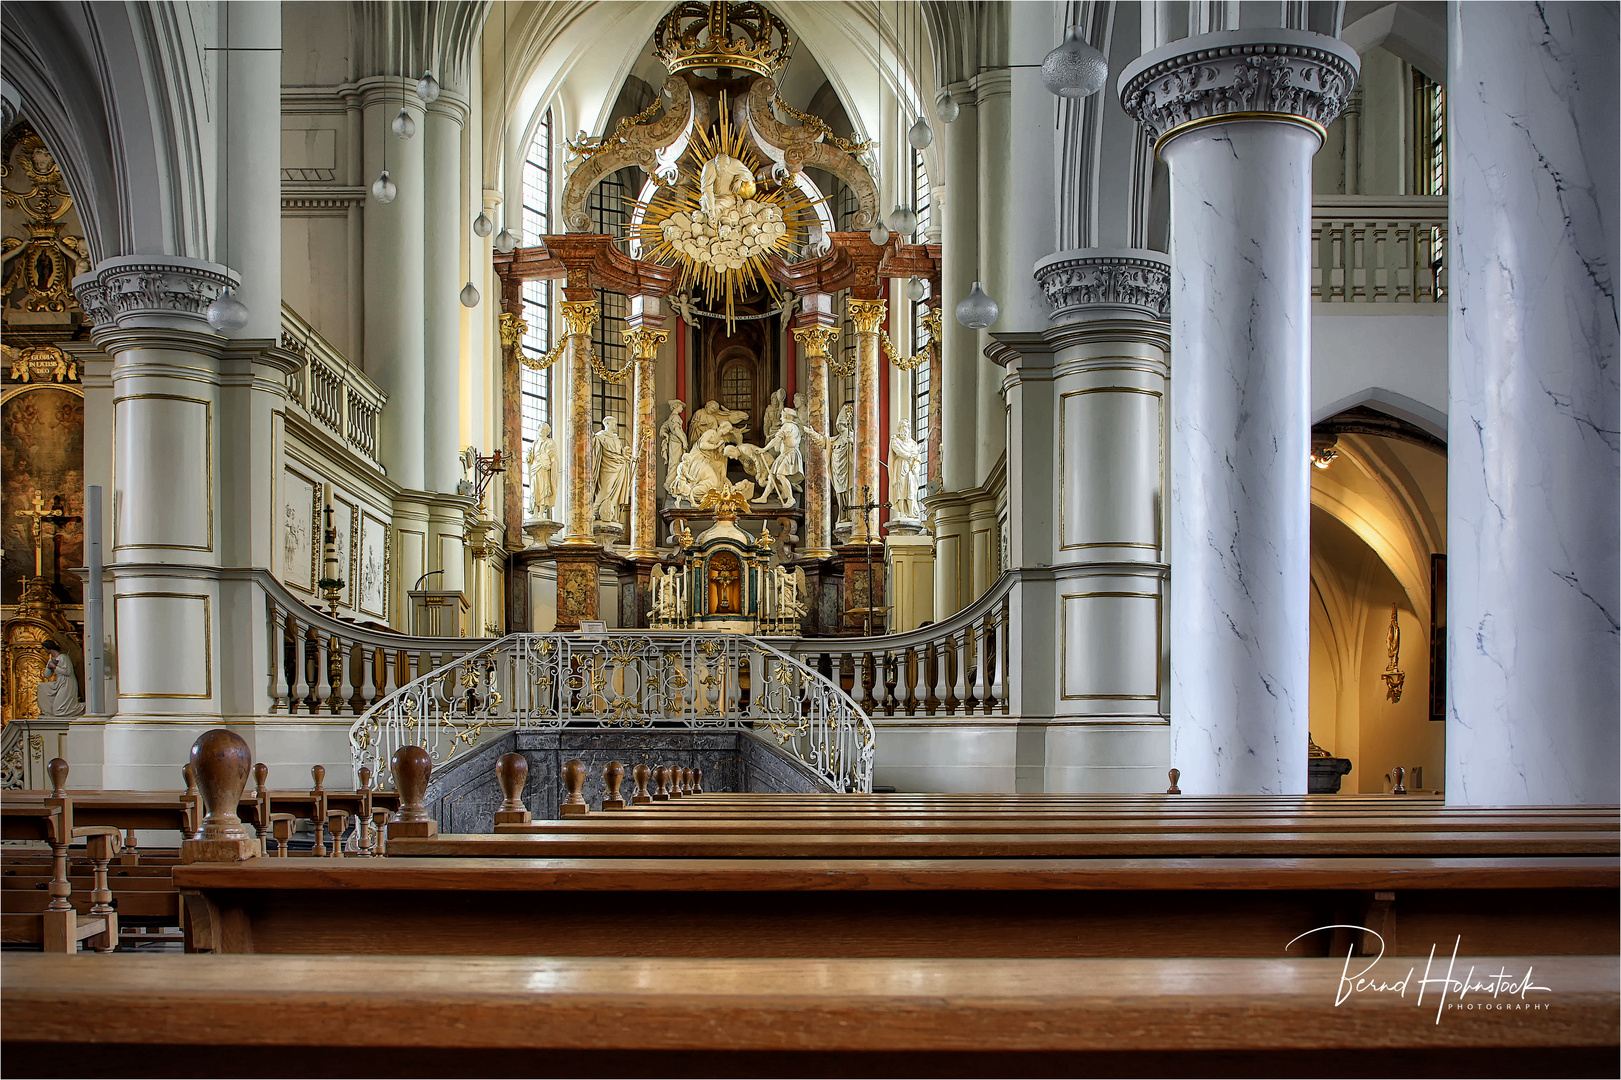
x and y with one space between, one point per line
329 390
1379 249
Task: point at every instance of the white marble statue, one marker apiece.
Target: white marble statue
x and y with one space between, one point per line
905 458
673 437
58 690
841 459
542 473
788 593
773 413
756 462
667 599
610 472
712 416
702 468
787 461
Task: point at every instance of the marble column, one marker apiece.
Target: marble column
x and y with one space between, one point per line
578 316
643 337
814 340
1237 117
1532 465
868 316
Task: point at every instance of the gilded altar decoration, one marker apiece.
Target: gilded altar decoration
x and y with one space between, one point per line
41 477
39 363
1393 675
931 325
39 269
513 328
698 35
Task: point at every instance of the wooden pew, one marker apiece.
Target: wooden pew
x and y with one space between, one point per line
57 925
413 1016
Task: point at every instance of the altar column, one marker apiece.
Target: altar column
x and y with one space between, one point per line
579 316
1532 466
815 332
644 334
868 316
1240 537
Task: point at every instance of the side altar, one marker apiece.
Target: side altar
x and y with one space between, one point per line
735 298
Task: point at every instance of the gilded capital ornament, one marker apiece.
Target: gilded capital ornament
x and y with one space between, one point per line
644 341
580 315
815 340
868 315
513 329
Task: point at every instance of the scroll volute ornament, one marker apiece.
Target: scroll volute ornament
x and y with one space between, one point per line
630 144
580 315
805 146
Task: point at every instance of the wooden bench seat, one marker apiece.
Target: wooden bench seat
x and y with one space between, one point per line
256 1015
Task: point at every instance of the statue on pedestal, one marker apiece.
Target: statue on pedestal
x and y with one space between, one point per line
610 472
58 690
841 459
905 457
673 437
542 473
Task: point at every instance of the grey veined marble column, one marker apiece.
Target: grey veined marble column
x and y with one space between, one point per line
1237 117
1532 465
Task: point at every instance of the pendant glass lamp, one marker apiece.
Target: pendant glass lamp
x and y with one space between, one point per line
879 234
469 295
915 290
482 225
428 87
505 241
403 125
383 189
977 311
1074 69
921 134
227 314
903 220
947 109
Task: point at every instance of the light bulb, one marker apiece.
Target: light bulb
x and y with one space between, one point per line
403 125
482 225
915 290
505 241
977 311
1074 69
879 234
903 220
384 190
428 87
947 109
227 314
921 134
469 295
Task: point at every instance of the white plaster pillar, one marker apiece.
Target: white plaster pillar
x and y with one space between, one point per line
251 206
960 360
1240 431
394 285
443 225
1003 214
1532 468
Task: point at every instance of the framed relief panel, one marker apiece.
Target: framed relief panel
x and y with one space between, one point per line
344 524
372 571
301 525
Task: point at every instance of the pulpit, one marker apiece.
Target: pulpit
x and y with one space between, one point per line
438 612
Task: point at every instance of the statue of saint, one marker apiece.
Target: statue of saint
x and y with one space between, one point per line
905 456
673 436
712 416
610 472
542 473
58 690
773 414
756 463
787 462
702 468
841 458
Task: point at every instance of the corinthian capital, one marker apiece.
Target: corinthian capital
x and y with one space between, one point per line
815 340
1289 75
580 315
644 341
868 315
152 291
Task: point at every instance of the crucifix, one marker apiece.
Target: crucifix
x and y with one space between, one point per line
866 507
56 516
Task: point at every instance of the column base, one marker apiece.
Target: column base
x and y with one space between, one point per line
578 577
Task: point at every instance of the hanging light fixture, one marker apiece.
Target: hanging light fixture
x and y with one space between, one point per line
227 314
403 125
903 219
1075 69
879 234
915 290
482 225
977 310
469 295
428 87
921 134
383 189
505 241
946 108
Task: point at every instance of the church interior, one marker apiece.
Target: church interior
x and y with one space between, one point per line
508 502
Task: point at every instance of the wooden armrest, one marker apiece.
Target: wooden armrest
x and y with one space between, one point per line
96 830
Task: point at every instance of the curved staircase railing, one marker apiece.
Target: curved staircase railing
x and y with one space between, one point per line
626 679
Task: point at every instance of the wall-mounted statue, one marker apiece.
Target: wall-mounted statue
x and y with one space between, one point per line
673 437
542 473
610 472
905 458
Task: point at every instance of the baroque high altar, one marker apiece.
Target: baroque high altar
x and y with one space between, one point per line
747 507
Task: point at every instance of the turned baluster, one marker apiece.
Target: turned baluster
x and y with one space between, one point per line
412 767
998 675
573 804
61 921
981 642
346 687
641 774
512 772
323 678
661 777
100 847
261 798
1176 776
189 798
301 681
318 814
221 763
131 855
363 820
959 686
390 662
336 822
613 775
903 683
278 662
697 781
368 684
942 676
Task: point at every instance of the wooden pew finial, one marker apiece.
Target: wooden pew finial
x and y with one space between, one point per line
412 767
661 784
220 762
189 771
688 784
512 772
573 785
641 774
613 775
318 774
1400 775
261 777
1176 777
57 769
697 781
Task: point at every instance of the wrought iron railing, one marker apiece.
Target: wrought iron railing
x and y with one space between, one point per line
1379 249
626 679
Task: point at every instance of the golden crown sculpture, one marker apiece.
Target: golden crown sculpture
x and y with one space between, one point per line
698 35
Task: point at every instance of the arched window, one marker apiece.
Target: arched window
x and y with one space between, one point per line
536 386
